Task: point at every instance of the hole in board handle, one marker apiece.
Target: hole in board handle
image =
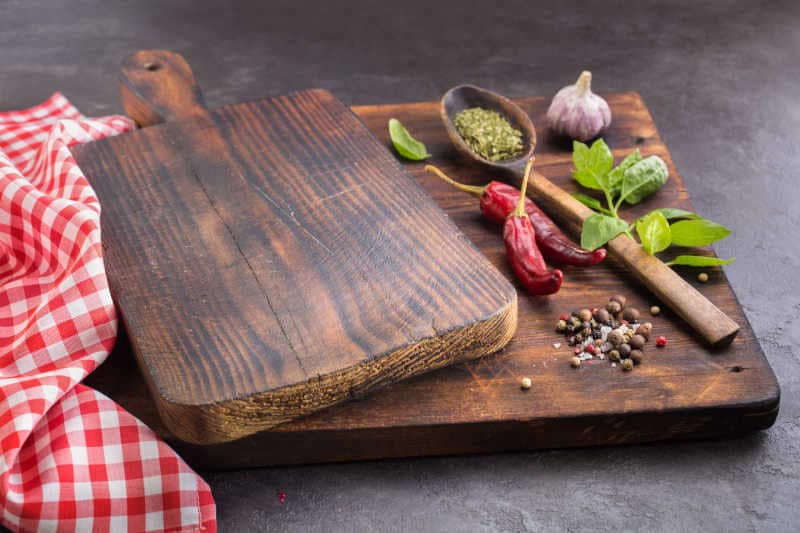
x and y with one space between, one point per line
151 66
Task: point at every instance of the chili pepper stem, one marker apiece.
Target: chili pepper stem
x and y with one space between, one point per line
474 190
519 211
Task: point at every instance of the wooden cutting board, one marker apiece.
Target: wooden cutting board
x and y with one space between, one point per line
682 391
272 258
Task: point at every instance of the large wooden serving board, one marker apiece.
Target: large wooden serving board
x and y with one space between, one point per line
682 391
271 258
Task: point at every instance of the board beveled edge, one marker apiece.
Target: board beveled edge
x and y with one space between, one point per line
220 422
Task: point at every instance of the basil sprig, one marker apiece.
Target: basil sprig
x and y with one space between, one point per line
633 180
406 145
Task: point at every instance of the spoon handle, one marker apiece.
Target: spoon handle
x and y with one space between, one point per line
708 320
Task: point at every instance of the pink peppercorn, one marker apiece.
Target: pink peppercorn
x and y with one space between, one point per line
589 348
661 341
577 350
564 316
282 496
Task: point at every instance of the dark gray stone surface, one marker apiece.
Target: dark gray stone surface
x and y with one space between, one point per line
722 80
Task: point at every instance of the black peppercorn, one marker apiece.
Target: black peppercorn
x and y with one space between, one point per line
636 356
645 330
602 316
619 299
613 307
624 349
637 342
631 314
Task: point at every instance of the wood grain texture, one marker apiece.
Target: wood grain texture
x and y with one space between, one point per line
683 391
271 258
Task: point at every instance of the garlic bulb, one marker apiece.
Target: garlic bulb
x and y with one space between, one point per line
577 112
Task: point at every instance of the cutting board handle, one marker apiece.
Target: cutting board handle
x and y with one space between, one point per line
157 86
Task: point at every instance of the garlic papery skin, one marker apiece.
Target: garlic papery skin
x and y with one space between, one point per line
577 112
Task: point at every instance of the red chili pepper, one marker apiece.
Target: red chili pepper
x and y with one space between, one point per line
523 254
498 201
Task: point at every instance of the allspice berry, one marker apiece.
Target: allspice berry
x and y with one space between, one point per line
636 356
627 364
613 307
614 337
624 349
637 342
645 330
619 299
631 314
575 362
602 316
585 315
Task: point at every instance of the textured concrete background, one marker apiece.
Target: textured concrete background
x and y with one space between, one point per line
722 80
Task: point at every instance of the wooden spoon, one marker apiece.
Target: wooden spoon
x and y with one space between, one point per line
708 320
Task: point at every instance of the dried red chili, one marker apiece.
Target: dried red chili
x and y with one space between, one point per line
523 254
498 201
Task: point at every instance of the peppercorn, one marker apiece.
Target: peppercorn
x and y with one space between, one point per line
575 362
627 365
574 312
637 342
525 383
577 350
661 341
564 316
613 355
585 315
602 316
619 299
590 348
614 337
587 332
624 349
702 277
561 326
598 342
636 356
579 337
655 310
575 321
572 340
645 330
613 307
631 314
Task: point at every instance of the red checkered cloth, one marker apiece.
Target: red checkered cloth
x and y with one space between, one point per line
70 458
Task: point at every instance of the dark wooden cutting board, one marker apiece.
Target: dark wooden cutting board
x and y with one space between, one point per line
682 391
271 258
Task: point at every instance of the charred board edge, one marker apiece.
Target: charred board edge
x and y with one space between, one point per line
481 437
235 419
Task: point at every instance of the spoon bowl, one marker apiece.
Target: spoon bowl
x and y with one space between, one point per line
464 97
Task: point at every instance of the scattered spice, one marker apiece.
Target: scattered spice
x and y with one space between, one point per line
702 277
488 134
525 383
655 310
661 341
611 332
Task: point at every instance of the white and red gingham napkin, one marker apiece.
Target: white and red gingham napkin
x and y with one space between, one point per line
70 458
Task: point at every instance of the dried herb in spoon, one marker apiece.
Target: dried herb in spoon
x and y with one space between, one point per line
488 134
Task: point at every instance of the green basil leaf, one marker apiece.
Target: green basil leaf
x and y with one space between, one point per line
671 213
697 232
592 165
643 179
588 201
406 145
599 229
616 176
700 261
653 230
